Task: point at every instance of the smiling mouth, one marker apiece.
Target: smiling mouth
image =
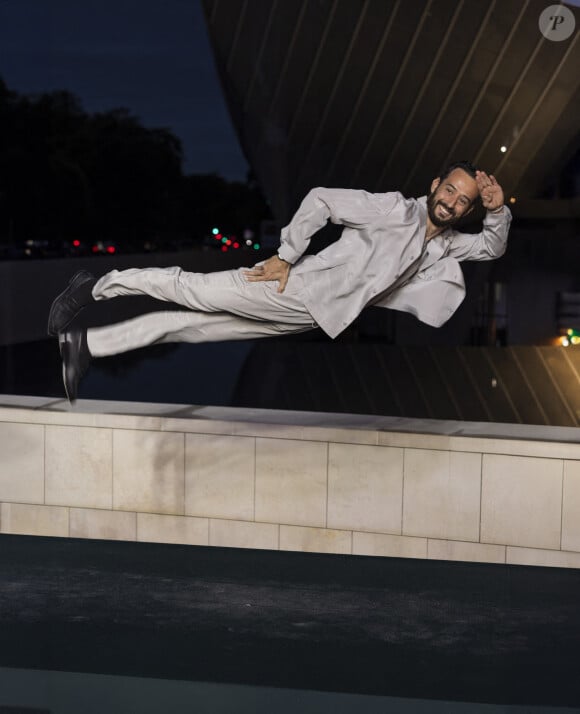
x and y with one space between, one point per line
444 211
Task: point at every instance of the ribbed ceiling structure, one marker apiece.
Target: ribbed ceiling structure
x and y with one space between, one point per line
381 94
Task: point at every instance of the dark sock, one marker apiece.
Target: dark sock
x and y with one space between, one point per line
85 354
84 344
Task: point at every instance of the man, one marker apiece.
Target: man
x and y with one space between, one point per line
393 252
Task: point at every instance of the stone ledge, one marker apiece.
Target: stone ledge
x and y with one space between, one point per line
510 439
338 483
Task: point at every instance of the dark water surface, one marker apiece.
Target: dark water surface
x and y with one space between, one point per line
309 372
172 374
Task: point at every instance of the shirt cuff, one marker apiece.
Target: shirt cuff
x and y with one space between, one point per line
286 253
502 214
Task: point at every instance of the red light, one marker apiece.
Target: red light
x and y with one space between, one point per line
110 249
95 249
76 243
224 249
218 236
236 244
228 242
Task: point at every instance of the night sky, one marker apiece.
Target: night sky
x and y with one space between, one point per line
150 56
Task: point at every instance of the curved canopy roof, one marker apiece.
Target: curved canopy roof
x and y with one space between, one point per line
381 94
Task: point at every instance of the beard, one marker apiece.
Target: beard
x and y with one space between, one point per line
436 220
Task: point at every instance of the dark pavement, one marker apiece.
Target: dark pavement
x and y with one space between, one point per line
390 627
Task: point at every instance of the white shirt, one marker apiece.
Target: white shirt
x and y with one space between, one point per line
382 257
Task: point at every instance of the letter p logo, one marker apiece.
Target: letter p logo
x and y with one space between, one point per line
557 23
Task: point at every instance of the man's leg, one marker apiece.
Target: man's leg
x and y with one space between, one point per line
79 346
224 306
181 326
223 291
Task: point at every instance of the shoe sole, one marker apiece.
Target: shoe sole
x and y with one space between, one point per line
70 401
74 282
61 343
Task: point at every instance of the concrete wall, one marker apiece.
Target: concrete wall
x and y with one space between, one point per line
291 481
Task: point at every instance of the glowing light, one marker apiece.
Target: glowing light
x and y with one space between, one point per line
218 236
256 246
236 244
224 249
95 249
228 242
575 340
565 342
76 243
248 242
111 249
570 332
215 231
513 199
224 239
503 149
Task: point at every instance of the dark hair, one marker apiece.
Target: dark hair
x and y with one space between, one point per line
466 166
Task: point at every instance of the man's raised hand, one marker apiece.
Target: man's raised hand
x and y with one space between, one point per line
490 191
272 269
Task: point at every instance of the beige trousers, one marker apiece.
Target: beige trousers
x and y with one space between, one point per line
220 306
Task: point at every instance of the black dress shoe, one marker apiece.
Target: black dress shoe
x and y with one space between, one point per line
76 359
71 301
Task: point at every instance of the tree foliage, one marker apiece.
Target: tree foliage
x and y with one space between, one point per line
65 173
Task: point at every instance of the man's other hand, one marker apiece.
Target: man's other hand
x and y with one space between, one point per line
490 191
272 269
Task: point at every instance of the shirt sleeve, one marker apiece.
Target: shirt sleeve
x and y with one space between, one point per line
489 244
346 207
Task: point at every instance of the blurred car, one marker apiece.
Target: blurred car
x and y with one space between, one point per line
104 247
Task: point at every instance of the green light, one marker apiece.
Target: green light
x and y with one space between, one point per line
224 239
256 246
215 231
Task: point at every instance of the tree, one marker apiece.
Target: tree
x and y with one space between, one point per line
65 173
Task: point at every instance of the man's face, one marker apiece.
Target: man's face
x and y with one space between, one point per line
452 198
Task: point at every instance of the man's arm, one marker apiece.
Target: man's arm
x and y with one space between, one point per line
342 206
489 244
492 241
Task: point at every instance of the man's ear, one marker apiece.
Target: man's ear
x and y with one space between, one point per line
435 183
